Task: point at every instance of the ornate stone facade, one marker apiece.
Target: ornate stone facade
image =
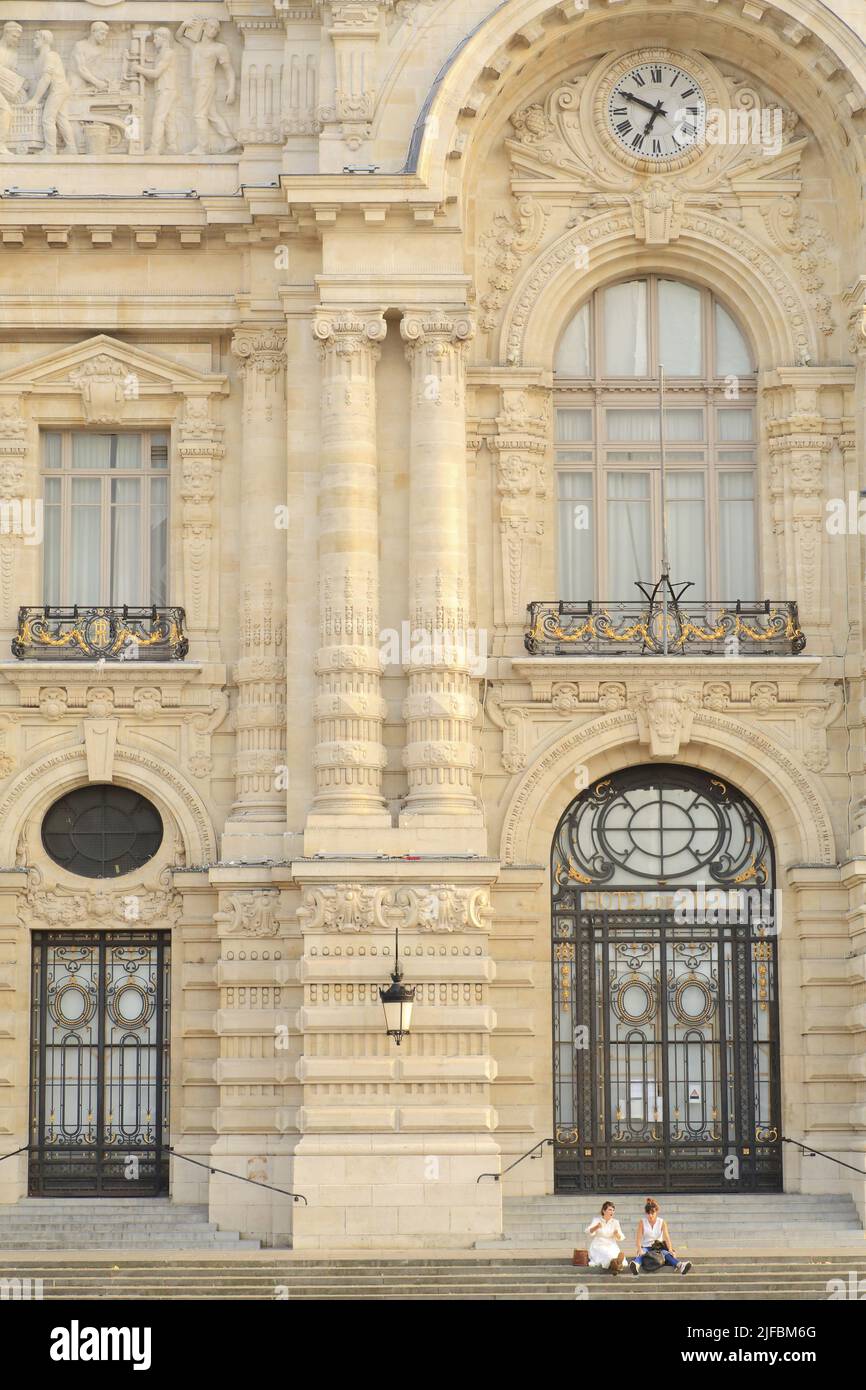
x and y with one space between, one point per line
329 253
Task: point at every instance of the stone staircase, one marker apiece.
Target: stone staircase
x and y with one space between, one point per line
777 1222
108 1223
780 1277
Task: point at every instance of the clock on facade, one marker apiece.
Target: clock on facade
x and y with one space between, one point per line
656 110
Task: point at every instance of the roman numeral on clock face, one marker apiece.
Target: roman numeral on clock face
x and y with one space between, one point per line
655 111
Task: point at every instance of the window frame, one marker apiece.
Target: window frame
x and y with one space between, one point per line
598 393
145 473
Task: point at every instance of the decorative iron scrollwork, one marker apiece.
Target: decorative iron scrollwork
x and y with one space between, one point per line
676 825
604 628
100 634
682 1067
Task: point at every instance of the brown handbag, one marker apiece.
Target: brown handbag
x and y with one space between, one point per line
581 1258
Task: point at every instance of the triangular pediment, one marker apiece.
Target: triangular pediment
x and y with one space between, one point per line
63 365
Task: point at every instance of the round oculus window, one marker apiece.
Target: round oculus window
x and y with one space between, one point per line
102 831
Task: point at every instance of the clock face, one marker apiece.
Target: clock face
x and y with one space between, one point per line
657 111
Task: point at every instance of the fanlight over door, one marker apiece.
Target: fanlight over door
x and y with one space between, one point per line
666 1053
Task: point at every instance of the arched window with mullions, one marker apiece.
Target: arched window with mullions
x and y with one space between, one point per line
607 443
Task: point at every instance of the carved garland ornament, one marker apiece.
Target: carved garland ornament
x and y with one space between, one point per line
60 908
435 907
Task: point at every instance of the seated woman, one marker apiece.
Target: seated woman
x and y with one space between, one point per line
604 1252
652 1230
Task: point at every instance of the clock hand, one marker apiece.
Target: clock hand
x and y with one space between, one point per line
658 109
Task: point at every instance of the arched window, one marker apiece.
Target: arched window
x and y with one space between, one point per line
607 443
664 928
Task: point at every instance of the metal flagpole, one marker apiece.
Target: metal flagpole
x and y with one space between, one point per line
665 560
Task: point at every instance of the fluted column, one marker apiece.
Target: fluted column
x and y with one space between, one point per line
260 674
349 755
440 707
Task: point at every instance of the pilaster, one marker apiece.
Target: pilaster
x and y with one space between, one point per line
257 1027
201 451
257 823
394 1138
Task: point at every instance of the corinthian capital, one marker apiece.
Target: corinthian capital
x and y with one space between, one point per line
260 349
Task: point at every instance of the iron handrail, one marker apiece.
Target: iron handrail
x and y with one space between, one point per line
22 1150
807 1149
530 1153
167 1148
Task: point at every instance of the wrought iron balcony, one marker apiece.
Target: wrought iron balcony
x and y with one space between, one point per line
661 624
100 634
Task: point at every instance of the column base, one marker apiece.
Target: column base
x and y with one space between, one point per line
250 841
419 834
438 832
396 1192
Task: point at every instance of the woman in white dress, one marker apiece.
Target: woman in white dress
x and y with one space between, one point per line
604 1251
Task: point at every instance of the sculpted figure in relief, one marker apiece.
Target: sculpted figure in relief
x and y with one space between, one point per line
207 55
87 59
162 72
12 86
53 88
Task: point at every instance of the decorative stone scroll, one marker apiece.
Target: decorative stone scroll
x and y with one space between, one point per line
249 914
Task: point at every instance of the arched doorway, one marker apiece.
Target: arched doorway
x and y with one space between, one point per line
665 1001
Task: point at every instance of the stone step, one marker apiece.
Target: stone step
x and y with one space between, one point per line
745 1278
120 1223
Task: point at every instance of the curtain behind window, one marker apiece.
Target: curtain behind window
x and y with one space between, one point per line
629 536
576 536
737 539
687 543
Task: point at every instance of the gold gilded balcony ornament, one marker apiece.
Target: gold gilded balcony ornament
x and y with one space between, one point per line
100 633
664 624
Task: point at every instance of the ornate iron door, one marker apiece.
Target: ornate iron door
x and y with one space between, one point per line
666 1063
99 1069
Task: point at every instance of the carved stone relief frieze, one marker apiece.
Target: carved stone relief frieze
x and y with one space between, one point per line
356 907
108 88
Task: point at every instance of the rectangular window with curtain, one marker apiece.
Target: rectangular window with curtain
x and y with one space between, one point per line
105 500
